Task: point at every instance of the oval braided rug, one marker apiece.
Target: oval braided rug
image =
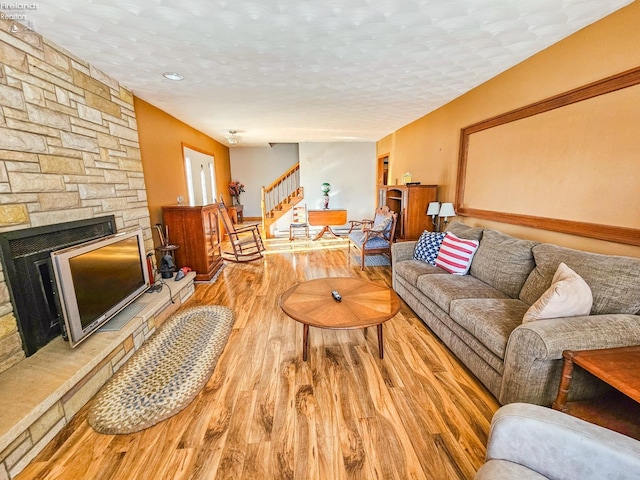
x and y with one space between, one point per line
165 374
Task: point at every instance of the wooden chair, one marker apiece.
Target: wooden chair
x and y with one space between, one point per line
299 221
359 224
245 240
377 238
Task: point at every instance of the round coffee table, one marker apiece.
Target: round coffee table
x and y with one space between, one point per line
364 304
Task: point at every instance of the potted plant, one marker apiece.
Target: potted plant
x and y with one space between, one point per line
235 189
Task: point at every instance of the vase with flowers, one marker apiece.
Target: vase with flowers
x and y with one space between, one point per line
235 189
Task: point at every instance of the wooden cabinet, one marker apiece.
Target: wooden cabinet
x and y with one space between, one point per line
410 201
196 230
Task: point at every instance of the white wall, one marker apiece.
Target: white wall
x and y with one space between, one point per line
350 168
257 167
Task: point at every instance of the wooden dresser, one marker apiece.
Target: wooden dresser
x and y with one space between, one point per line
410 202
196 230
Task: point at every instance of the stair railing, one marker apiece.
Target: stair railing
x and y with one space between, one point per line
280 192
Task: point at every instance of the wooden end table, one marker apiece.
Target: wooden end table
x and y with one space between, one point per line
620 368
236 213
364 304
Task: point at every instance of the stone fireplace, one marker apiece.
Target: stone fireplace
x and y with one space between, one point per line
69 152
26 255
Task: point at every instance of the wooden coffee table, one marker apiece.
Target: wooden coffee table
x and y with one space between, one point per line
364 304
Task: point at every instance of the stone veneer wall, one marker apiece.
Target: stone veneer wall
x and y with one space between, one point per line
68 151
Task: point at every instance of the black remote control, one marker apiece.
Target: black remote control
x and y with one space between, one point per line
336 296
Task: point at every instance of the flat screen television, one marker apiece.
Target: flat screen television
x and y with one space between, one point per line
97 279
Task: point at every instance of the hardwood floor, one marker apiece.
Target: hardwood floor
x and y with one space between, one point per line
266 414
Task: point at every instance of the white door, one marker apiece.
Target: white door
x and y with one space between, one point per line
200 173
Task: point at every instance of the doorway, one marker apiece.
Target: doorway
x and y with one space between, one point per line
382 173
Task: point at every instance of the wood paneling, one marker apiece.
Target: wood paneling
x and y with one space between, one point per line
266 414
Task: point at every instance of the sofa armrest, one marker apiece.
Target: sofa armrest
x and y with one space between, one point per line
402 251
533 358
557 445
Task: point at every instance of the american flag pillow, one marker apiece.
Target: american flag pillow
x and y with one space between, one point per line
455 254
427 246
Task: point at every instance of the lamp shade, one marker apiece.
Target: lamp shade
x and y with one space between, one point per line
447 210
433 208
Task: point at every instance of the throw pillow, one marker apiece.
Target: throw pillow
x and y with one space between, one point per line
427 246
382 225
455 254
568 296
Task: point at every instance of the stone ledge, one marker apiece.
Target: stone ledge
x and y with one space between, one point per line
60 379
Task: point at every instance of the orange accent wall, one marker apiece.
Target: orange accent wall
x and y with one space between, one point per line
161 140
429 146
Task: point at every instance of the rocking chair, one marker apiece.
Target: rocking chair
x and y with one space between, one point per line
245 240
377 236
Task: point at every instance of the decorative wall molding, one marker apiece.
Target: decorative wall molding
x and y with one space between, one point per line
614 233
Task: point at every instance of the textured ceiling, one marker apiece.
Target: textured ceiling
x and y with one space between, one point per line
306 70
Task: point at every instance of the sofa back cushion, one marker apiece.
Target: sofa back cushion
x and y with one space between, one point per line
503 261
614 280
461 230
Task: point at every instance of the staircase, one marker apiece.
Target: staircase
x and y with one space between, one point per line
280 197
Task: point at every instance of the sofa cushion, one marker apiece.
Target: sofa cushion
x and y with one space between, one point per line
503 261
490 320
461 230
614 280
455 254
410 270
568 296
443 288
427 246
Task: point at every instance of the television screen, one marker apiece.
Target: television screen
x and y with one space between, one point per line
102 277
97 279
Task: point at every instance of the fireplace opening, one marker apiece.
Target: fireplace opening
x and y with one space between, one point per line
26 256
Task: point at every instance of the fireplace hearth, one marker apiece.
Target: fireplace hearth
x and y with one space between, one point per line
26 256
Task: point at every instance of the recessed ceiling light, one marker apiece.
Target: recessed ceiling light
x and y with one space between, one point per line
172 76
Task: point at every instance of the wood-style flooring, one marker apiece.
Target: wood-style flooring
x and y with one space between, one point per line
266 414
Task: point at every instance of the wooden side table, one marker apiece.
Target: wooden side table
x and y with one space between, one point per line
619 411
236 213
326 219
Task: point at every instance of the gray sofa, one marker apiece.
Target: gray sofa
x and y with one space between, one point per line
529 442
479 315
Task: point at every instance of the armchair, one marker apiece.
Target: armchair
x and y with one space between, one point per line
532 442
377 236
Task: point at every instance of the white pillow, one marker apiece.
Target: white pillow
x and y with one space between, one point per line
568 296
455 254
